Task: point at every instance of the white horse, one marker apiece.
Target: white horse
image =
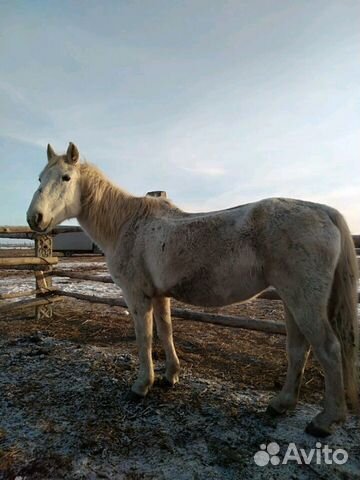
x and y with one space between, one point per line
155 251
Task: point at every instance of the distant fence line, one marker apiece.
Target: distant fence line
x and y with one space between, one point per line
42 264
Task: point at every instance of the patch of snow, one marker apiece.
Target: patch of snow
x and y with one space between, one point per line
87 287
100 266
16 285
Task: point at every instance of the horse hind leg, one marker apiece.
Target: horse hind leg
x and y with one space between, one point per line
162 314
312 321
297 348
327 350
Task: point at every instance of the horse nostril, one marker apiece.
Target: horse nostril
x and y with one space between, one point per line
38 218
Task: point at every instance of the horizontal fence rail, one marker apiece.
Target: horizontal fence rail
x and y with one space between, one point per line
14 262
9 231
217 319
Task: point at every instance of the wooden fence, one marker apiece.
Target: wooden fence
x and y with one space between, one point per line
44 266
41 264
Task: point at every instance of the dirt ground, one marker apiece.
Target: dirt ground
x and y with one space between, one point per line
66 414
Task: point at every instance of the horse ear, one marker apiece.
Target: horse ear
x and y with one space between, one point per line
50 152
72 154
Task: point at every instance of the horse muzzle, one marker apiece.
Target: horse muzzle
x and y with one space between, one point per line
37 223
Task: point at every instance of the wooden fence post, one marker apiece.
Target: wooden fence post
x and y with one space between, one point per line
157 193
43 249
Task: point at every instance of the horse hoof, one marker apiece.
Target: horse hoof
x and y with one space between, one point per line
133 397
164 383
315 431
272 412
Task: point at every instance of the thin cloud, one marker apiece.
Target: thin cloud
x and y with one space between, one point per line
205 170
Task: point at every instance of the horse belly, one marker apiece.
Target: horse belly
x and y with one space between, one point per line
208 289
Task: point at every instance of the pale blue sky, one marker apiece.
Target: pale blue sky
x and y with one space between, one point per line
217 102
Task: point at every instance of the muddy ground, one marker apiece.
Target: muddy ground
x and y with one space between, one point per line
65 411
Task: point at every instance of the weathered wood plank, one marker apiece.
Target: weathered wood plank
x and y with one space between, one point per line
29 303
113 302
24 230
13 262
225 320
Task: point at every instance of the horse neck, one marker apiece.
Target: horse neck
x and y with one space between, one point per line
105 208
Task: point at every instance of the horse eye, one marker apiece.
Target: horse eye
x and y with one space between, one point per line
39 179
66 178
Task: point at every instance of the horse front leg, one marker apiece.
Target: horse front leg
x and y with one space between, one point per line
142 312
162 314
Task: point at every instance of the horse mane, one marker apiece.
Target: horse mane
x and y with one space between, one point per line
107 207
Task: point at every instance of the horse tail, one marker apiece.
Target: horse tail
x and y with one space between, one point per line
343 309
